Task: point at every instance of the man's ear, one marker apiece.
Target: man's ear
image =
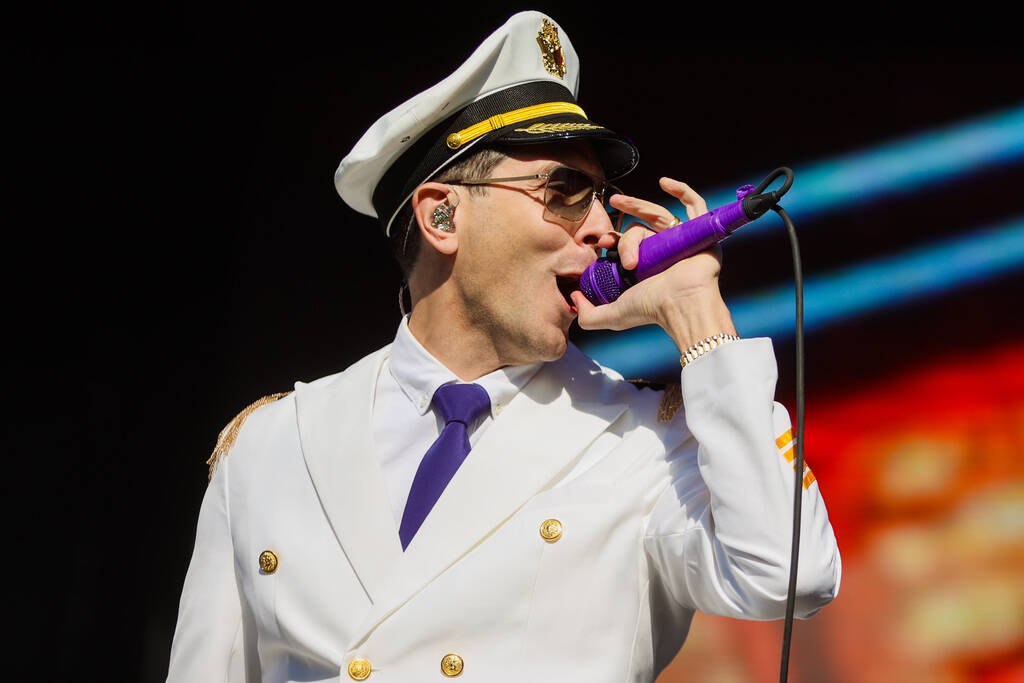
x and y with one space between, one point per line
434 206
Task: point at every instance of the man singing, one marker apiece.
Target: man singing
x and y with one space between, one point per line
480 499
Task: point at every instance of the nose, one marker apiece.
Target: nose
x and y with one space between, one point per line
594 226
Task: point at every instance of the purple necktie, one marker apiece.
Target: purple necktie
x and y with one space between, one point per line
460 406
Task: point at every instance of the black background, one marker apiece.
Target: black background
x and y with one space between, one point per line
178 250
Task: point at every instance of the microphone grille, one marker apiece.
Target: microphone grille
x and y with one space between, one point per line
600 282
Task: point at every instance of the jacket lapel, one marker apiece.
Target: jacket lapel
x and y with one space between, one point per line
530 447
334 420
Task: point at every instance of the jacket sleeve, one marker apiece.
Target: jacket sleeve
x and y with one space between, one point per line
208 640
720 535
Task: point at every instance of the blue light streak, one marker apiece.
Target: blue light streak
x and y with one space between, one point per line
891 168
876 285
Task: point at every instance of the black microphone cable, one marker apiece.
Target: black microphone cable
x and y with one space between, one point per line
798 282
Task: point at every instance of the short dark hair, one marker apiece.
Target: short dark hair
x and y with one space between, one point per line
405 234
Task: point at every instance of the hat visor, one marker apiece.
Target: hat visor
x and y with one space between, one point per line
616 153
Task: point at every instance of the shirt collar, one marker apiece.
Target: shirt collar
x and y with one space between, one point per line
419 374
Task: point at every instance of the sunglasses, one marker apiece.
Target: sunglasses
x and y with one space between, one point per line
568 192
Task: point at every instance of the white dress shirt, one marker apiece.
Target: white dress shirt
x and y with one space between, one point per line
405 425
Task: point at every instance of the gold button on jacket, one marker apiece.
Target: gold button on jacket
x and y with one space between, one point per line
551 530
451 665
359 669
268 561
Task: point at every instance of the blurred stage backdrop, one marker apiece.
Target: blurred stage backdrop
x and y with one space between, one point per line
212 263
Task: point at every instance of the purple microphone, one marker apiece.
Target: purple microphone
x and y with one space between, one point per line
604 280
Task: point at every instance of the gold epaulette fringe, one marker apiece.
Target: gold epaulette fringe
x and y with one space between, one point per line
670 400
229 434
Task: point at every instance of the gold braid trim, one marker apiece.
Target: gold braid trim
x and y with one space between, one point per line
229 434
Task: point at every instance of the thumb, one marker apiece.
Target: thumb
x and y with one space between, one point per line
589 316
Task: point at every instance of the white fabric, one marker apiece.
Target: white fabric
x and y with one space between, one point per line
659 519
509 56
405 425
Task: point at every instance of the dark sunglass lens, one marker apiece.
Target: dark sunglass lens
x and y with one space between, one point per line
569 193
614 215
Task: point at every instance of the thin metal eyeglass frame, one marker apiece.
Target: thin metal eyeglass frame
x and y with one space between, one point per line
600 186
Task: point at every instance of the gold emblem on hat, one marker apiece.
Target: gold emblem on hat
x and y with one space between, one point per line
551 49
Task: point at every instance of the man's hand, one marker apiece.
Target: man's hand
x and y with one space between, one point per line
684 300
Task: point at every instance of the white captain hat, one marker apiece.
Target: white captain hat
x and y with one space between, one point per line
518 87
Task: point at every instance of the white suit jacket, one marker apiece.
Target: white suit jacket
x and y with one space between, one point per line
658 519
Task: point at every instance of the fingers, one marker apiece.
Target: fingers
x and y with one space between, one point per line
629 245
655 215
694 203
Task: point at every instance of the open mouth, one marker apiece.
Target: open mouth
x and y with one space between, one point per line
567 284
